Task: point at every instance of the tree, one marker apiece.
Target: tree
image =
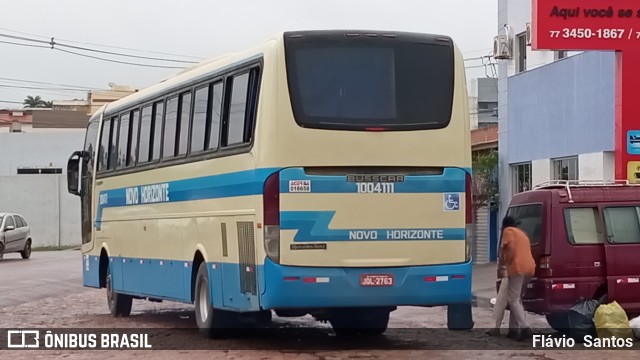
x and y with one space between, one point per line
485 178
36 102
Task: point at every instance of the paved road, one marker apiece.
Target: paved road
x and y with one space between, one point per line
45 274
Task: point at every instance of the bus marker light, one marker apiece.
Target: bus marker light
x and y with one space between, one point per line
291 278
436 278
316 280
161 262
214 266
457 276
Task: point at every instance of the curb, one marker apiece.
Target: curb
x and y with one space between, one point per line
480 301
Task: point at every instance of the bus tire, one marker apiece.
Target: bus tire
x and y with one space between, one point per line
119 304
212 323
360 322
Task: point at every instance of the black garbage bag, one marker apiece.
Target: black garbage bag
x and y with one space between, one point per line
581 319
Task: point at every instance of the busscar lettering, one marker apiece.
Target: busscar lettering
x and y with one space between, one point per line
375 178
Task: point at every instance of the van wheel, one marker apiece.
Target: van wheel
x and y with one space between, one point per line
1 251
119 304
26 253
212 323
559 321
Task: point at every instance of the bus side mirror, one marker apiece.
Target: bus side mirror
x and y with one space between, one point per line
73 173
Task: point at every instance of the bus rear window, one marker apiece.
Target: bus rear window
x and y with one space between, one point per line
530 219
370 82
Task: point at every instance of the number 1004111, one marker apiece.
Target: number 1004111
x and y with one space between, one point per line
375 188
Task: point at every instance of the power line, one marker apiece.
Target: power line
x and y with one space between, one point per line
47 83
52 44
105 46
29 45
118 61
11 102
119 54
40 88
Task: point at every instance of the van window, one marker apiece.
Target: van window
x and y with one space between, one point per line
623 224
582 226
530 218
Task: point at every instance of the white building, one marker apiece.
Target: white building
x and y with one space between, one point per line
556 109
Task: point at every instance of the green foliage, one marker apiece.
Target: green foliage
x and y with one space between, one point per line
36 102
485 178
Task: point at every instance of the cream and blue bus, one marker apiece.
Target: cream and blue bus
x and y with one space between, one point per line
321 172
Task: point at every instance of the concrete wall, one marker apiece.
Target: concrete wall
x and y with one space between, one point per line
596 166
52 213
38 149
562 109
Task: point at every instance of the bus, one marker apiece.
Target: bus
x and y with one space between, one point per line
322 172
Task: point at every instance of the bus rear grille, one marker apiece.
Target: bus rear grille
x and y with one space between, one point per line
247 253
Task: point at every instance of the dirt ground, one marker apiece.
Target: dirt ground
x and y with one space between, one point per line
414 333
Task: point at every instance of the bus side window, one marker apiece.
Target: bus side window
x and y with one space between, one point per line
113 150
103 150
183 123
216 116
123 141
145 134
241 108
170 128
156 130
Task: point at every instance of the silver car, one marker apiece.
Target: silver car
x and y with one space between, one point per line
15 235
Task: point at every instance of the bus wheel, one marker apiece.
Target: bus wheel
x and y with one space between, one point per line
119 304
365 321
211 322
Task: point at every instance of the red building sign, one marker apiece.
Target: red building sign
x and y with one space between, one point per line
601 25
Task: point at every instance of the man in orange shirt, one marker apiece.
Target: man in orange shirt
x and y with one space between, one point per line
516 256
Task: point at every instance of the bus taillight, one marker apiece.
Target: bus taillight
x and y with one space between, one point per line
271 202
468 207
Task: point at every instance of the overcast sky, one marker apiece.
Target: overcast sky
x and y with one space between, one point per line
199 29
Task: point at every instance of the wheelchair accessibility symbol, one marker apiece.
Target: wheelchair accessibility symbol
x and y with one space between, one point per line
451 202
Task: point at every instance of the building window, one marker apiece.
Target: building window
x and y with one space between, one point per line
521 177
39 171
522 52
560 54
565 169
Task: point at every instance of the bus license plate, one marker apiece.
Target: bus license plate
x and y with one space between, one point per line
376 280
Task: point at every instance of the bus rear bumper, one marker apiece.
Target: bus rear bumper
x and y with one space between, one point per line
289 287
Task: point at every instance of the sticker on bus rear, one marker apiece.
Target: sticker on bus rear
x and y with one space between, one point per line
451 202
299 186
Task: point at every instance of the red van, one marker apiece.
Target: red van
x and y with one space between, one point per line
585 238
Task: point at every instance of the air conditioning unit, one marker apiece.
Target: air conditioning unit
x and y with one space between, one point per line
502 47
528 34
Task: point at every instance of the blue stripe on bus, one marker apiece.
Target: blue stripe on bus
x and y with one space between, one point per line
451 180
314 226
241 183
282 286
